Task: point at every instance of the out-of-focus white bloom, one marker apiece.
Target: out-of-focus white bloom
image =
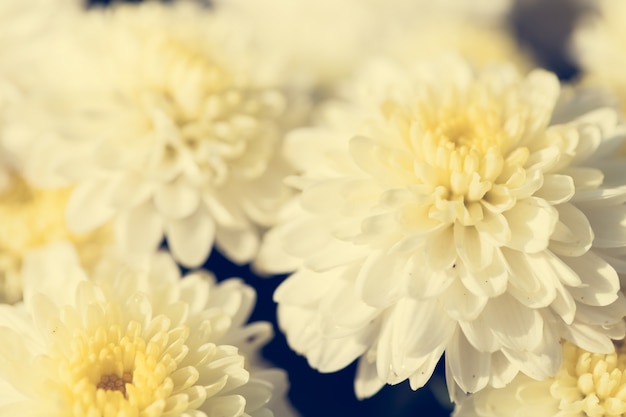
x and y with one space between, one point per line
323 41
167 122
448 210
481 44
24 22
599 46
588 384
32 217
131 342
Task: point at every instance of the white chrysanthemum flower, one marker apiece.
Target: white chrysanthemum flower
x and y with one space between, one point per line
599 46
171 127
131 342
587 385
448 210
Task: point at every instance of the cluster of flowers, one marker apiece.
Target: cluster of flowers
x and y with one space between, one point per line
429 192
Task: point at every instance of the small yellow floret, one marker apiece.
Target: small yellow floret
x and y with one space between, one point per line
592 383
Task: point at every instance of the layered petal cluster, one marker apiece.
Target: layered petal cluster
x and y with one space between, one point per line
131 342
588 384
448 210
598 45
166 122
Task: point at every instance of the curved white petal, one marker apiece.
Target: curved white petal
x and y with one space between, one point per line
514 325
475 251
556 189
89 205
305 287
488 282
130 190
240 246
381 277
469 367
139 229
367 381
176 200
609 226
532 222
461 304
324 354
600 282
191 238
573 233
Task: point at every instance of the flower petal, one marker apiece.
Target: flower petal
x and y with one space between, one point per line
532 222
461 304
600 283
473 250
190 238
139 229
515 326
305 287
240 246
367 382
89 205
381 277
556 188
488 282
469 367
176 199
609 226
573 235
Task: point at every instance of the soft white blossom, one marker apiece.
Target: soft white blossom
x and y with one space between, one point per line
167 122
443 210
132 341
30 216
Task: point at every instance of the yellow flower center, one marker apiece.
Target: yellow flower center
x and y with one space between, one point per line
32 217
115 371
115 383
465 147
591 383
465 140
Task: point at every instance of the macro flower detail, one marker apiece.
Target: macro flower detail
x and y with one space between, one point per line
178 140
137 342
450 211
588 384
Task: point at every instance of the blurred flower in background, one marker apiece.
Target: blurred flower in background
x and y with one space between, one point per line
32 217
165 123
598 45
